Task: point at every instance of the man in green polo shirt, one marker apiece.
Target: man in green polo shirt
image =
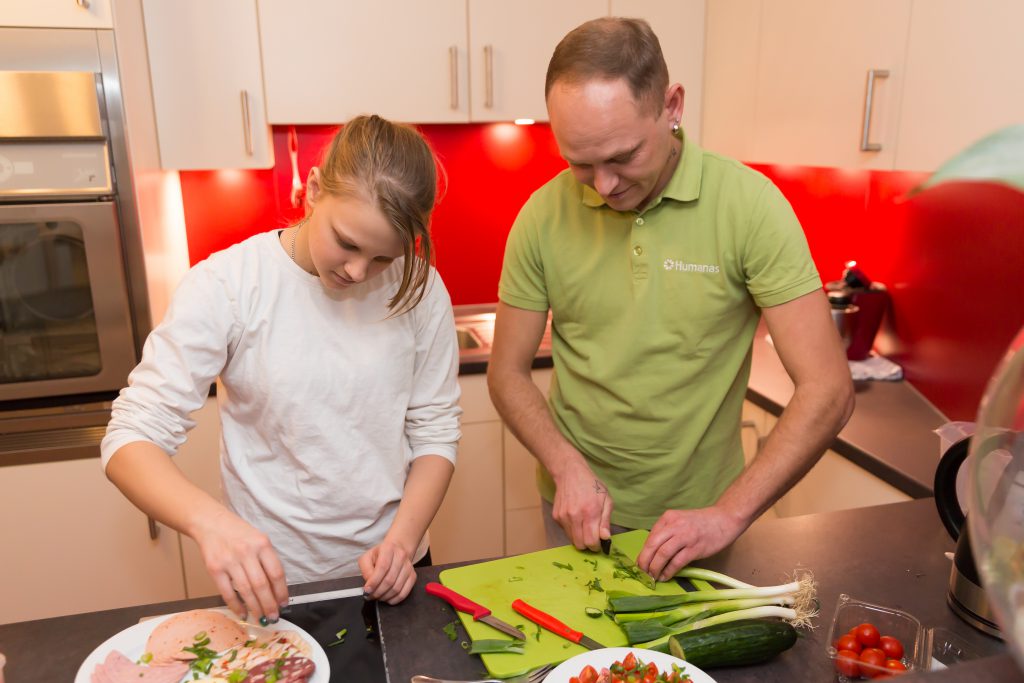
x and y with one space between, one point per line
656 259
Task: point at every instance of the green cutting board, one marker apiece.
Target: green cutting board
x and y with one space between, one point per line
561 592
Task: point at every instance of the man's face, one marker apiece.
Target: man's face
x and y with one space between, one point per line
613 144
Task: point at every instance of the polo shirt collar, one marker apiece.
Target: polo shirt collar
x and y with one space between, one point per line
683 186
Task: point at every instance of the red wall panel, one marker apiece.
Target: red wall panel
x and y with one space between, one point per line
951 257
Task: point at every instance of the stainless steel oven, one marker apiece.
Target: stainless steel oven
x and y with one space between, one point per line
72 309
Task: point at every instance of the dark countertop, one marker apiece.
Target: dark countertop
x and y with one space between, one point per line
889 434
890 555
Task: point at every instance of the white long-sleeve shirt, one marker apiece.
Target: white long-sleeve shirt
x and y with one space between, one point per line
326 399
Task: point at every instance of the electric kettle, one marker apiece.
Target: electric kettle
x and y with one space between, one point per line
965 597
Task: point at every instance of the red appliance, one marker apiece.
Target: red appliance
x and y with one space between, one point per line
871 300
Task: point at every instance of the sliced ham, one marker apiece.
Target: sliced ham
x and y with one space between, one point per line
117 668
167 641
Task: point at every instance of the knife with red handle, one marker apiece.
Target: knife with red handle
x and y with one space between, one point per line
554 625
479 612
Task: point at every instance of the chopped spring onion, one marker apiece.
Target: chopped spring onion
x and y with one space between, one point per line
491 646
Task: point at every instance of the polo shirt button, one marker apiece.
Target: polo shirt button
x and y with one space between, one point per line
639 220
638 250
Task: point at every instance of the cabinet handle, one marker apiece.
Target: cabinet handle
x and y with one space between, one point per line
246 122
865 137
488 76
154 530
453 75
84 4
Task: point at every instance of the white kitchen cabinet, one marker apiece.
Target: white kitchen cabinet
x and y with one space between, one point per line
56 13
524 522
679 26
786 80
205 67
510 45
963 78
470 523
73 543
199 460
326 61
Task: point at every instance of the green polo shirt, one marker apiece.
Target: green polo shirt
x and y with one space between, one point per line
653 315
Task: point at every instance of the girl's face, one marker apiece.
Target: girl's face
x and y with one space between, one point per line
350 240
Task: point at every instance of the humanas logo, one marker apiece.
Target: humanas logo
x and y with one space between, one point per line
672 264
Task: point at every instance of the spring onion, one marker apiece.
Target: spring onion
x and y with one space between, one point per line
713 606
799 589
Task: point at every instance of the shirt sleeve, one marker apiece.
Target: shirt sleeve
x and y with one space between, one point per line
777 264
181 358
522 281
432 417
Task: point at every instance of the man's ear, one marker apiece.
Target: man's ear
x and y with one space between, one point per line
674 97
313 186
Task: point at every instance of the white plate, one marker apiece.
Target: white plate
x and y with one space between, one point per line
131 642
600 659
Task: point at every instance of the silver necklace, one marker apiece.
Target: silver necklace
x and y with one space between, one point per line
295 234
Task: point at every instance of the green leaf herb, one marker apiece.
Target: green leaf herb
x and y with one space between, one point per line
594 585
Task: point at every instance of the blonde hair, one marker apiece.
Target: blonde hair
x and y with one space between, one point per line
612 48
391 166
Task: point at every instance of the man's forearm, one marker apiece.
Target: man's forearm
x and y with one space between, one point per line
804 431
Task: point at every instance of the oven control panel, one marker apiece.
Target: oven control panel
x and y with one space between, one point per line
79 168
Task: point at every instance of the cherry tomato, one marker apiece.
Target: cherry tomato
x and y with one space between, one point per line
868 635
629 663
894 665
892 647
847 663
872 662
573 679
588 675
849 642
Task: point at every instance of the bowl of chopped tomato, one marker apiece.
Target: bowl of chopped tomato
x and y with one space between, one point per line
626 665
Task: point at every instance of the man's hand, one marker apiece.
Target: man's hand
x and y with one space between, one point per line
582 506
681 536
244 566
388 571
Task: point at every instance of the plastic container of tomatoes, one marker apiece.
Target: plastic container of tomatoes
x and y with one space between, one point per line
903 642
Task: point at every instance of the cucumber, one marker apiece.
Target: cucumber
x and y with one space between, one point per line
736 643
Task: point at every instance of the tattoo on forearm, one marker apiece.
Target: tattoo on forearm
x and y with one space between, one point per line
599 488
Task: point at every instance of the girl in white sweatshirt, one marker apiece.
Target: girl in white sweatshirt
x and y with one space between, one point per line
335 347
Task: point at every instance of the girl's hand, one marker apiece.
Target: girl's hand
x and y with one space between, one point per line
388 571
244 565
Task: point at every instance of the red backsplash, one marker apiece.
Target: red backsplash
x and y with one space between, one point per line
951 257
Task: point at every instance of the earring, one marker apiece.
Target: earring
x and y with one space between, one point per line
675 128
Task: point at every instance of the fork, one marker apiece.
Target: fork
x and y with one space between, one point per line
535 676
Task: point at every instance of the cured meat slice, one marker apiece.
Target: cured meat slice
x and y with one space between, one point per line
289 670
117 668
168 640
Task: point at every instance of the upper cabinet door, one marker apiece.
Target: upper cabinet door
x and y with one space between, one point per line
814 74
679 26
788 81
510 46
326 61
56 13
965 78
204 61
